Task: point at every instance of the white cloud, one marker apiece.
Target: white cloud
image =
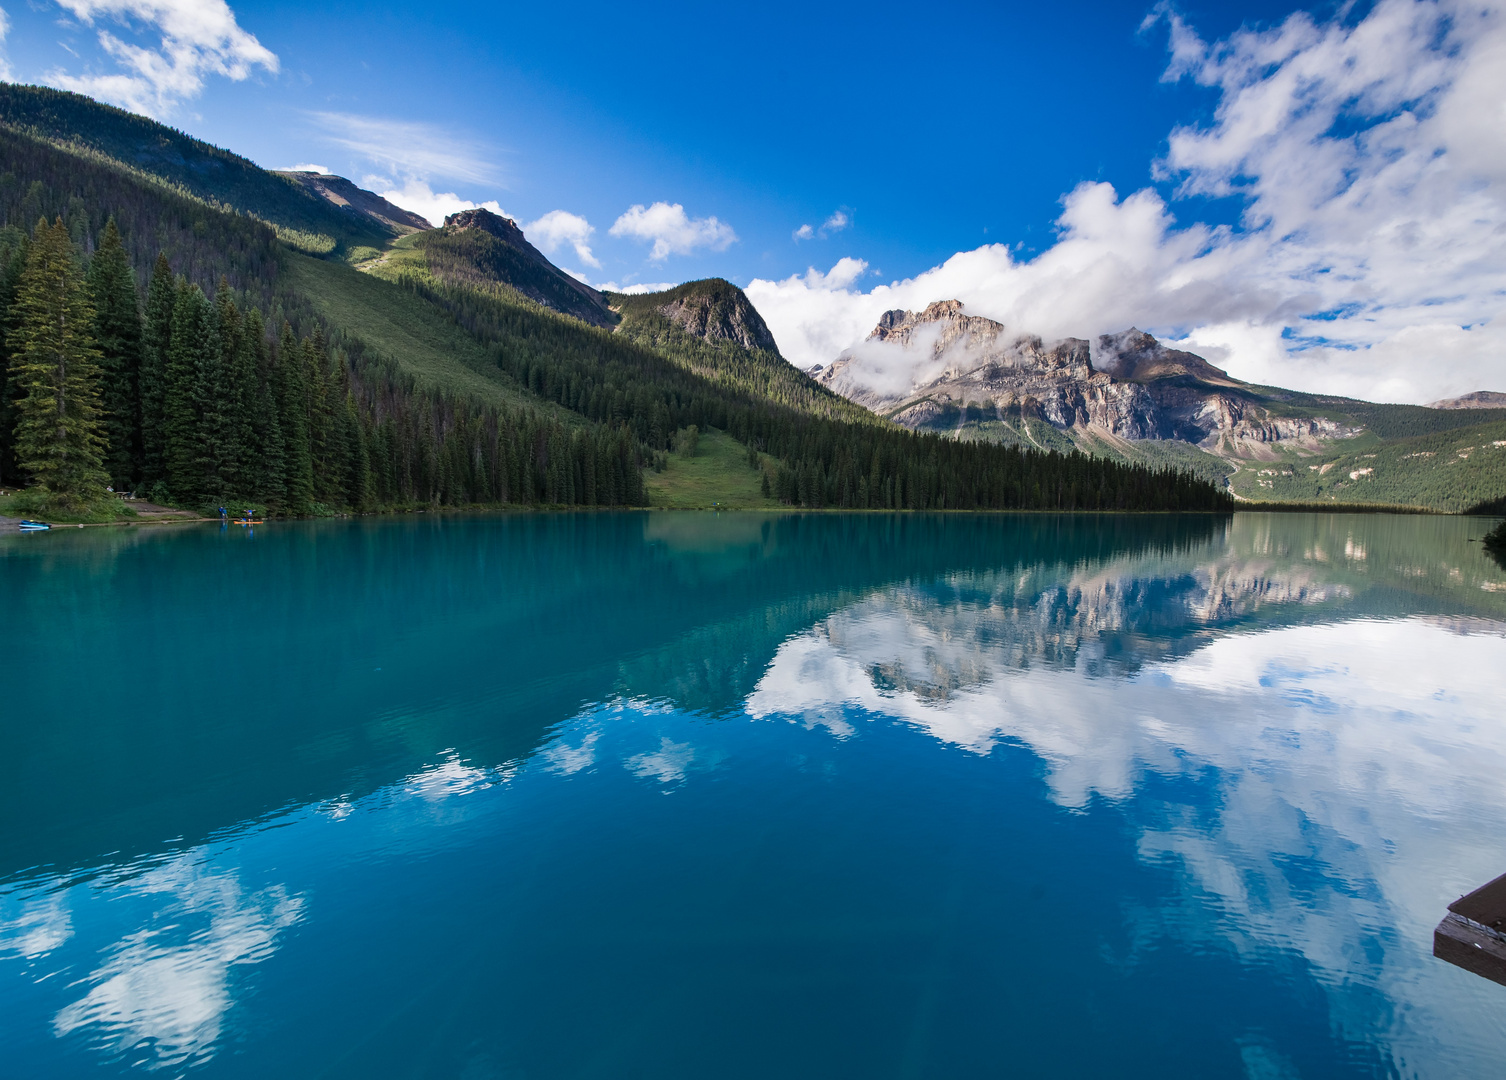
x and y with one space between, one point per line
306 168
406 149
1371 256
419 197
198 38
561 227
672 231
633 290
839 220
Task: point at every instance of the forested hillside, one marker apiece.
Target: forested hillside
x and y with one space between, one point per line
196 168
232 368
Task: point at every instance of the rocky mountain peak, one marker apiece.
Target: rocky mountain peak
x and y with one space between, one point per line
503 228
717 310
942 325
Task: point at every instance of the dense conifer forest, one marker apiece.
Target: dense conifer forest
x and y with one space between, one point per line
202 376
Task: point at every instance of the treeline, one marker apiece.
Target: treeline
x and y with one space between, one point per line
189 400
821 462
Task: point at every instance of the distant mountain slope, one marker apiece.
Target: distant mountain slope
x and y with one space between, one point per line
1131 397
1480 399
711 328
340 192
200 169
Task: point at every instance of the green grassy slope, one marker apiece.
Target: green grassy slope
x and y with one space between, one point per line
414 335
717 475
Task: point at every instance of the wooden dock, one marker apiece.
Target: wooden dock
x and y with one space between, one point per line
1473 933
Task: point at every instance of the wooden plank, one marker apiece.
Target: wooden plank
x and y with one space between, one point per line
1473 933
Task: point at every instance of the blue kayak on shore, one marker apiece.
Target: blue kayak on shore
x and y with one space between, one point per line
34 526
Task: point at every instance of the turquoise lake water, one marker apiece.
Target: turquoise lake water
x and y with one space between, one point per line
684 795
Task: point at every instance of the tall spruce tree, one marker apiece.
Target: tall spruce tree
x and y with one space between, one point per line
13 247
192 353
161 298
237 391
117 331
59 438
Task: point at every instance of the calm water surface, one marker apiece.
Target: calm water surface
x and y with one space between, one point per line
678 795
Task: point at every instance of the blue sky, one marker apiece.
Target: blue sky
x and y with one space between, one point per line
932 132
903 137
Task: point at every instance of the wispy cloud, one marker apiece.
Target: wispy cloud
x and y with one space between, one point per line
1371 256
559 227
195 39
5 69
672 231
408 149
839 220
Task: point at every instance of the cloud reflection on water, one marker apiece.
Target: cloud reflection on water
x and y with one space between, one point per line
1345 769
164 988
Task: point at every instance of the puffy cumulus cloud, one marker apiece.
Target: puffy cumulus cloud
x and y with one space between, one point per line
672 231
839 220
561 227
1371 255
419 197
196 39
306 167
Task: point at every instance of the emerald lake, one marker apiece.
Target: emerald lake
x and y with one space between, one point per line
805 795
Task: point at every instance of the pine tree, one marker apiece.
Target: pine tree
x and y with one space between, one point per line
117 330
59 439
161 298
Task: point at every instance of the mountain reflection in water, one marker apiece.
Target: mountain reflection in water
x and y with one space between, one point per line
660 794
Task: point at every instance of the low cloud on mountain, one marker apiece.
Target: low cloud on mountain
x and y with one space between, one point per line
1370 258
